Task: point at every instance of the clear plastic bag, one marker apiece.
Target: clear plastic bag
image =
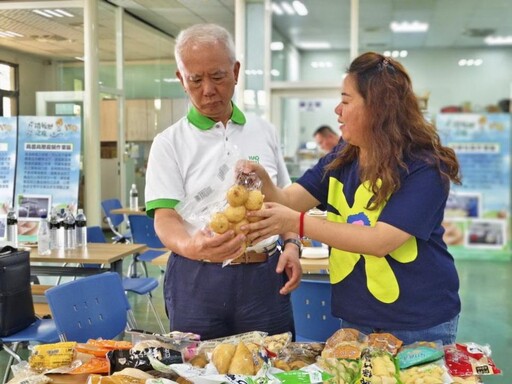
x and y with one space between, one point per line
223 203
197 208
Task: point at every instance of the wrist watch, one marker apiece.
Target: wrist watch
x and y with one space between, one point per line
297 242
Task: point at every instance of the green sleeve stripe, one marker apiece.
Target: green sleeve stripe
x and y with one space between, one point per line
159 203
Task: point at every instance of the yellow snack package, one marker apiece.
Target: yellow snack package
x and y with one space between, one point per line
49 356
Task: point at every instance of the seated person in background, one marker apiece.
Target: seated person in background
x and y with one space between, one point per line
326 138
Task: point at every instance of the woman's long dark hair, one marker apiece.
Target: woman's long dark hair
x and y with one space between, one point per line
397 128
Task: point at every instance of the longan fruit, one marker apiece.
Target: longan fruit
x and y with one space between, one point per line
237 195
239 224
219 223
254 200
234 214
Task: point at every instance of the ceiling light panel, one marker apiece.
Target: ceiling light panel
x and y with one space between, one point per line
53 13
300 8
287 8
64 13
408 26
276 9
498 40
42 13
277 46
314 45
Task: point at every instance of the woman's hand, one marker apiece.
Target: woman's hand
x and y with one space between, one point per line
277 219
247 166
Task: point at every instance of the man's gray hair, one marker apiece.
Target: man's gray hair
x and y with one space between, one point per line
204 34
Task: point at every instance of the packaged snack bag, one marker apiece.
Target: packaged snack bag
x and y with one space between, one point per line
377 366
469 359
418 353
426 373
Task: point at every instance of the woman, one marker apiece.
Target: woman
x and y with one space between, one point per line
384 188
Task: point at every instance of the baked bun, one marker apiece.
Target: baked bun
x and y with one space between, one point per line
221 357
242 362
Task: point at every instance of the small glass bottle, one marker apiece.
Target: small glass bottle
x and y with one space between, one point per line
43 237
134 198
81 229
69 231
12 227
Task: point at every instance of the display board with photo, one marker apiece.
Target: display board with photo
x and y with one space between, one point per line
3 227
477 219
47 170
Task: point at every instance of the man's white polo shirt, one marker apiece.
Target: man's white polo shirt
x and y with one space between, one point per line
185 156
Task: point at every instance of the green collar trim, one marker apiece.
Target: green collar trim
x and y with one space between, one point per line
204 123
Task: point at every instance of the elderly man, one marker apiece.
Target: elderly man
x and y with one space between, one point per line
202 295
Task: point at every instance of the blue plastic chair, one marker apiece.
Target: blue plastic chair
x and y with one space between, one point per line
114 220
143 232
311 303
41 331
89 308
139 285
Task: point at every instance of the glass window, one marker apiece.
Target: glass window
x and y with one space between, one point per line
8 89
7 77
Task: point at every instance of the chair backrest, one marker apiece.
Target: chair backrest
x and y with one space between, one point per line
311 303
95 234
89 308
143 231
107 206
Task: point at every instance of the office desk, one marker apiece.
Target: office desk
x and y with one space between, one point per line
127 211
308 265
94 253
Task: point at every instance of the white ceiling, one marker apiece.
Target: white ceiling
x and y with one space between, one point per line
453 23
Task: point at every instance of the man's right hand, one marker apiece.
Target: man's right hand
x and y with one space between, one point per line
202 245
216 248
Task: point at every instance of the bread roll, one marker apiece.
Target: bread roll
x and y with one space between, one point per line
221 357
242 362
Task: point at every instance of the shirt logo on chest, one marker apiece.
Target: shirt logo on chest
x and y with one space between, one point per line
380 278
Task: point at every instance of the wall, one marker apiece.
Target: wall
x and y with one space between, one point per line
450 84
35 74
435 71
142 81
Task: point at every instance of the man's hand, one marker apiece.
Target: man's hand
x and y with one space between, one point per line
289 263
203 245
216 248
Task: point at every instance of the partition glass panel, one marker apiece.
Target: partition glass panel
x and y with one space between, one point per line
150 88
107 45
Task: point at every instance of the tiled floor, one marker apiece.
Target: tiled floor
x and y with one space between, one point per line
486 290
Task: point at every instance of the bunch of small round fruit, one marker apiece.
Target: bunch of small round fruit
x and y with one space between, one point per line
240 200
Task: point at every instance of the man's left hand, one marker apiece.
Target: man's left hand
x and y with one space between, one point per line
289 263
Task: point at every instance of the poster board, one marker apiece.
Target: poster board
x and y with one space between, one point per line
48 169
477 215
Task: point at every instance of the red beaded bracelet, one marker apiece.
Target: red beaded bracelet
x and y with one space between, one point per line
301 225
